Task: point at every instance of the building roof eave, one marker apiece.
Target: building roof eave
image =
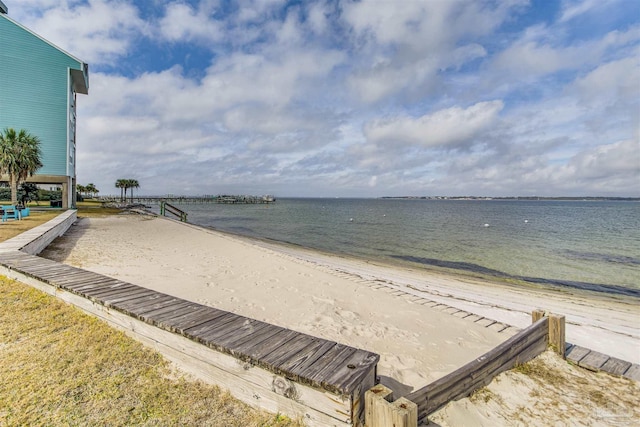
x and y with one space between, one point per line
80 79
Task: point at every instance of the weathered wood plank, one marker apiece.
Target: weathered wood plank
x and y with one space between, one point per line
195 314
213 335
62 272
111 289
237 344
193 320
338 374
116 300
102 296
302 360
279 355
88 284
143 311
61 278
616 366
576 354
80 282
249 330
257 350
593 361
167 317
197 332
353 371
170 308
633 373
325 367
134 304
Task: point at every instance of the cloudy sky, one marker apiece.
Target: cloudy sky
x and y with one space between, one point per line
354 98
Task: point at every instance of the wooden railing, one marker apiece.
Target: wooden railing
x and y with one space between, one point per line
546 331
168 208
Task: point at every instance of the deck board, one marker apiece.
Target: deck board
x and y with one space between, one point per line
169 308
114 288
194 319
93 283
134 304
576 353
616 366
113 301
633 372
593 361
256 349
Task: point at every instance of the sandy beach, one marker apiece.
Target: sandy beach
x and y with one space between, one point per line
349 301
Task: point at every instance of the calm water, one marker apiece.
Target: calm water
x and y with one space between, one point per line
592 245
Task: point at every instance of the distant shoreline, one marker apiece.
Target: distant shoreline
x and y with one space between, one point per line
528 198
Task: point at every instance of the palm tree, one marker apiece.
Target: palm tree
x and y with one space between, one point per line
81 189
91 189
20 157
133 183
121 184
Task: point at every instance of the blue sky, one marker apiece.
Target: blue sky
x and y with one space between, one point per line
363 99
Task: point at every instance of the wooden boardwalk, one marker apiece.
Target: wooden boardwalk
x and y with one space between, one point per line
596 361
326 365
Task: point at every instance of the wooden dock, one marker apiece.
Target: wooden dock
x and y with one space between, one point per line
268 366
197 200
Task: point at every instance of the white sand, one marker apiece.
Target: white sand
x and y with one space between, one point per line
345 300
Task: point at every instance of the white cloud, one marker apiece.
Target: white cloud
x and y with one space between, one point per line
351 98
611 82
185 24
96 32
572 9
607 162
447 127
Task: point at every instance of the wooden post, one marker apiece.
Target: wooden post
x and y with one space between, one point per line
404 413
375 405
536 315
557 333
380 412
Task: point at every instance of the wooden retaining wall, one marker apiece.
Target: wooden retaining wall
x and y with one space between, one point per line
35 240
412 410
520 348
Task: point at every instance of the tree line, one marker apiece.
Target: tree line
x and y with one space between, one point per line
124 185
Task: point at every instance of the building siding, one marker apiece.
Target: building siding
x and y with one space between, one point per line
34 93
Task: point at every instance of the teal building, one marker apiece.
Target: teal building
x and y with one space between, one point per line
39 83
